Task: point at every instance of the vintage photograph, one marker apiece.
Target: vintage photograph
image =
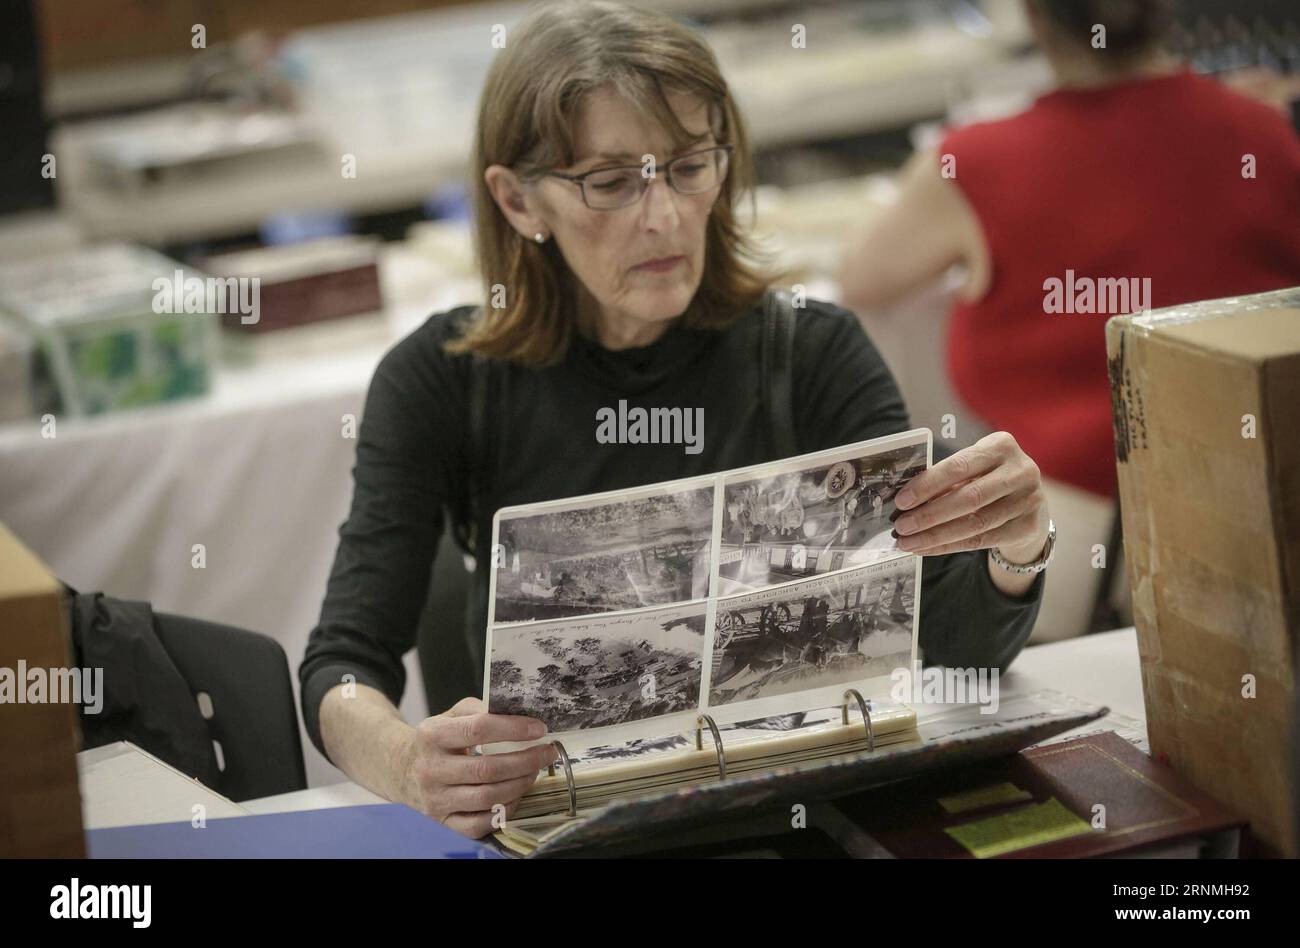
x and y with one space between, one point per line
610 556
795 721
831 630
631 750
599 671
785 526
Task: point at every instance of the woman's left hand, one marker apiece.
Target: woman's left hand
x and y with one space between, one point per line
987 495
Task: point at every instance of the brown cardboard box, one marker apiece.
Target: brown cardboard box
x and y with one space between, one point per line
40 806
1212 535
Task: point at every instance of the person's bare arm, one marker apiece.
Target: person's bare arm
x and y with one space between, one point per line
929 228
430 767
366 738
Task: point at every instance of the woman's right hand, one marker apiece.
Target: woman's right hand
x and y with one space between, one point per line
442 778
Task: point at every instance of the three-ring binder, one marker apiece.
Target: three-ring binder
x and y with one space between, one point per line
866 715
705 720
568 776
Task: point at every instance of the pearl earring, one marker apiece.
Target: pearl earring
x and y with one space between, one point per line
539 238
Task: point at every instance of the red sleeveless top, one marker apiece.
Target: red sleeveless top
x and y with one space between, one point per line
1173 180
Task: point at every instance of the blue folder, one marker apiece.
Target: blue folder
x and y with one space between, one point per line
375 831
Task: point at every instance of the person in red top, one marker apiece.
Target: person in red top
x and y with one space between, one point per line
1135 184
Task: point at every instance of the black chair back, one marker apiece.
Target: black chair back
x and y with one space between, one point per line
241 682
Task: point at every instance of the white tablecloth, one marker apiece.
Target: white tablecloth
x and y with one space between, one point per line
258 472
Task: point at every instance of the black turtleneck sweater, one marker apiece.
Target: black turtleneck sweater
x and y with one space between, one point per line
412 452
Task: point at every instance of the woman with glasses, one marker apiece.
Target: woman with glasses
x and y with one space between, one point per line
608 161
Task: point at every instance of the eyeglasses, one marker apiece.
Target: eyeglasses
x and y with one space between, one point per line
607 189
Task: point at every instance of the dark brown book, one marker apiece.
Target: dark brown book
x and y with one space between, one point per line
306 283
1044 803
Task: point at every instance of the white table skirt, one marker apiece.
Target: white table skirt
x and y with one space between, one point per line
258 472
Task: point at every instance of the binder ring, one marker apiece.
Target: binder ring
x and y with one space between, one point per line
866 715
568 776
705 720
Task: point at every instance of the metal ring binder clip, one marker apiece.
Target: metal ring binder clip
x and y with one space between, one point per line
700 722
866 715
568 776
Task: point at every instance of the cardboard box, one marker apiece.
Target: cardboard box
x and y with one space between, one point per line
1206 402
40 805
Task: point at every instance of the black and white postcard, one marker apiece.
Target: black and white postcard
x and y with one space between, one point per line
600 671
791 522
815 635
604 556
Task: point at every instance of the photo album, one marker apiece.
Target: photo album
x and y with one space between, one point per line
644 626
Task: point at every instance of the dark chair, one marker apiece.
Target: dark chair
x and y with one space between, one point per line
241 682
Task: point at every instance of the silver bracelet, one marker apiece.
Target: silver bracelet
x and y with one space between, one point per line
1038 565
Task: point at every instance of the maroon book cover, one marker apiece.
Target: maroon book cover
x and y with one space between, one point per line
1092 796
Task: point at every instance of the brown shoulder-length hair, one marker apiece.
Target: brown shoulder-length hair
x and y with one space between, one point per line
561 53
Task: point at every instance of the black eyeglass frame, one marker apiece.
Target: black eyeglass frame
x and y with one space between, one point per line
581 179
